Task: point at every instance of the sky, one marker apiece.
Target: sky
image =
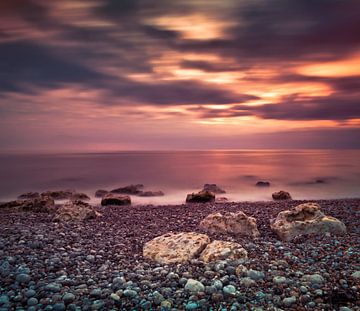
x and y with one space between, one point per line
107 75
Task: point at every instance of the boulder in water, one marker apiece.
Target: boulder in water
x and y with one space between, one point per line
130 189
213 188
151 194
29 195
281 195
101 193
200 197
262 184
114 199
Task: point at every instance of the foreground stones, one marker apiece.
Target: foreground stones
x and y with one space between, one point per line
114 199
175 247
184 246
75 211
281 195
200 197
305 219
222 250
230 223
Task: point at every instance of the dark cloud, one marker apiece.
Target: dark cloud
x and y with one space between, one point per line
337 107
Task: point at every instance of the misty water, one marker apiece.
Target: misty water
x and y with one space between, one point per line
306 174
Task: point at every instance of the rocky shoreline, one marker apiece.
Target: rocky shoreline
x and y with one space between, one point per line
98 264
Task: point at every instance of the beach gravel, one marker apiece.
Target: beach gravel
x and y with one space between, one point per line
98 264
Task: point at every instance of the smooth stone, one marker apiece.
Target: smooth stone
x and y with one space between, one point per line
68 298
289 301
255 275
59 307
130 293
194 286
23 278
191 305
32 301
313 278
30 293
229 290
280 280
356 275
218 284
115 297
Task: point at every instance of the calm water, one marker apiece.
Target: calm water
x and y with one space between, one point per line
178 173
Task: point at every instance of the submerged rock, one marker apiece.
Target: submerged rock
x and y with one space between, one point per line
305 219
101 193
80 196
213 188
175 247
200 197
29 195
222 250
262 184
75 211
130 189
38 205
151 194
113 199
58 194
232 223
281 195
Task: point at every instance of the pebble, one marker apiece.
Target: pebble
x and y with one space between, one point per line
68 298
130 293
32 301
229 290
23 278
289 301
280 280
194 286
255 275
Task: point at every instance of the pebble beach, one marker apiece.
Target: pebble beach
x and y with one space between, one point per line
98 264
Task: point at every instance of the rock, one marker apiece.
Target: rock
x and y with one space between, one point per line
75 211
222 250
246 281
59 194
130 293
101 193
213 188
356 275
200 197
304 219
23 278
280 280
39 205
281 195
175 247
113 199
313 278
255 275
262 184
68 298
289 301
131 189
229 290
32 301
115 297
80 196
230 223
29 195
151 194
194 286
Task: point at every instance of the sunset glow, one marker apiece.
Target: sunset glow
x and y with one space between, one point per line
210 68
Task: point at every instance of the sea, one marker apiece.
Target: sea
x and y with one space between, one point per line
306 174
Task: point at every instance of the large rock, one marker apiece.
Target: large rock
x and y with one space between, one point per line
80 196
131 189
75 211
29 195
222 250
175 247
58 194
213 188
38 205
200 197
114 199
304 219
101 193
151 193
281 195
234 223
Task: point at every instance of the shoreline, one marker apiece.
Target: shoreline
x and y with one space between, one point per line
100 261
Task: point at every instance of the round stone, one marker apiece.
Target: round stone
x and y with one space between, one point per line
59 307
32 301
194 286
68 298
23 278
229 290
289 301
